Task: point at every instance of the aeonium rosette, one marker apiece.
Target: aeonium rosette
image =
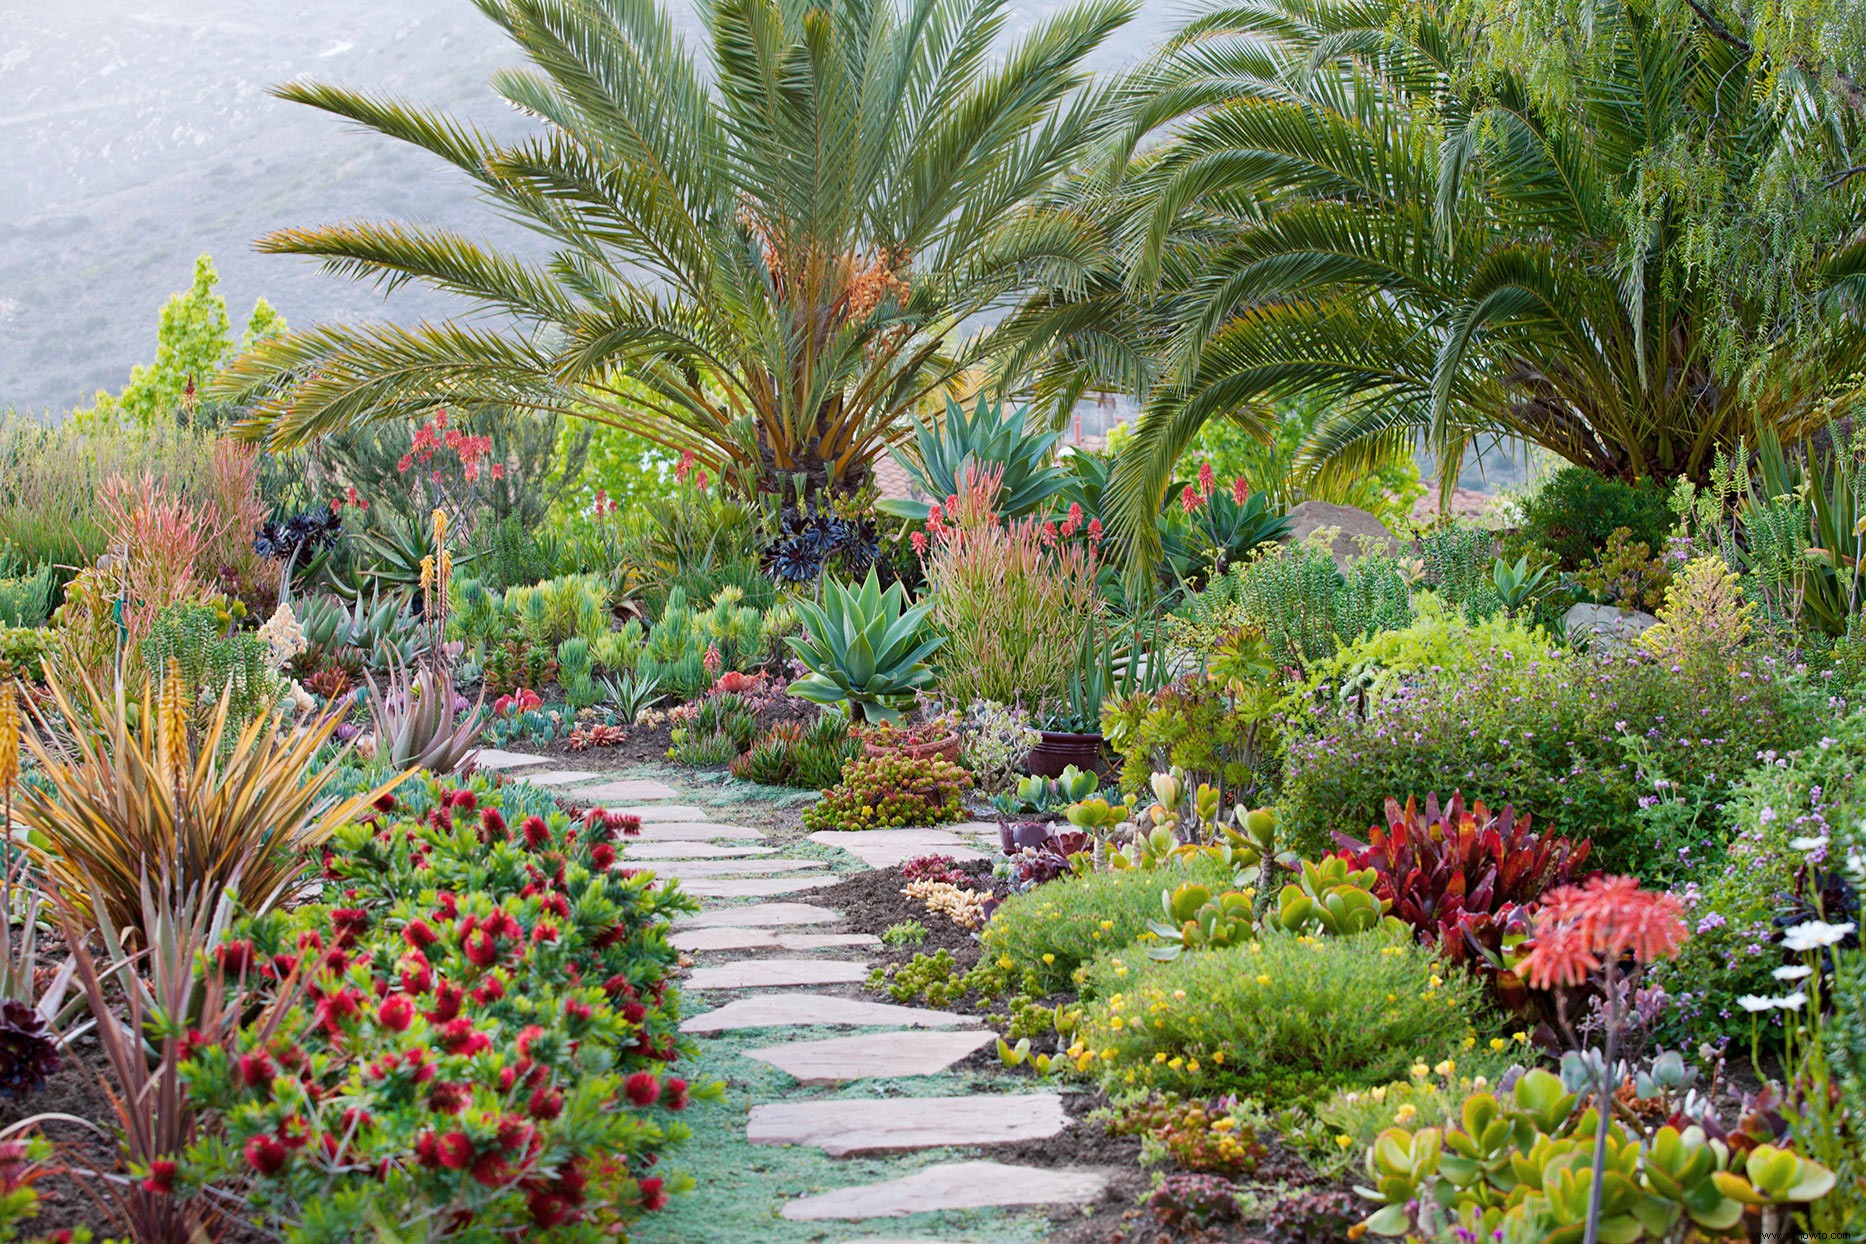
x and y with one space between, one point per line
486 1041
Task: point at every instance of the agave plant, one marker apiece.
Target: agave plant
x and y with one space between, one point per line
864 649
414 722
986 437
138 793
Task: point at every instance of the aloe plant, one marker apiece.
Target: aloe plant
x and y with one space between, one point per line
414 722
985 437
863 648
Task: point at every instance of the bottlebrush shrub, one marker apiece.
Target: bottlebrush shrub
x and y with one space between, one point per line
1463 877
1284 1018
489 1050
889 791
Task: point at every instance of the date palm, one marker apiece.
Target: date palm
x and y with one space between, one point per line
765 255
1329 199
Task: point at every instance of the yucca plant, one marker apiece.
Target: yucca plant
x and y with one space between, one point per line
136 793
863 649
763 245
986 437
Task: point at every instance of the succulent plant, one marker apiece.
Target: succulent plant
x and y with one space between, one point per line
863 649
1330 897
28 1050
417 724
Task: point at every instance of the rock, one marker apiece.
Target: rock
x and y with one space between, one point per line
818 1010
885 848
691 849
760 914
697 940
628 788
492 760
722 868
1308 517
560 777
1608 627
752 887
843 1128
654 812
871 1056
952 1185
776 973
691 831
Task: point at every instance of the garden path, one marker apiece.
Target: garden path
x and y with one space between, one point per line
866 1100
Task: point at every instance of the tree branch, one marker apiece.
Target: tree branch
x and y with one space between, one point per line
1718 29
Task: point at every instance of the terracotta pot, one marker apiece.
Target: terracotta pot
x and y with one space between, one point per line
1059 750
946 749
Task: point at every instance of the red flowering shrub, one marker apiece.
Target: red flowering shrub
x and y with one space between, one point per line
489 1043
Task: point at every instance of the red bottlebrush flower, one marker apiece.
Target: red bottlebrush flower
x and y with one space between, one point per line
602 857
455 1151
417 976
464 799
491 825
256 1069
428 1149
577 1009
456 1035
610 936
420 934
265 1154
643 1089
545 1103
489 1169
547 1209
488 991
396 1012
625 823
537 833
558 905
449 1098
309 941
294 1132
161 1179
481 948
674 1093
526 1035
1240 490
653 1197
283 965
543 932
235 957
1208 479
338 1009
634 1013
448 908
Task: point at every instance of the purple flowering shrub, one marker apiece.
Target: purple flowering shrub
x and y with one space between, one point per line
1550 735
1787 815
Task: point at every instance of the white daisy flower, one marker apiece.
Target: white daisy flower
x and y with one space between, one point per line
1816 935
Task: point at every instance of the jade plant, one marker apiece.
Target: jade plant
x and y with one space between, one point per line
1330 897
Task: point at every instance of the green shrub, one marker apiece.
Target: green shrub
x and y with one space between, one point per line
1575 510
1304 606
1439 639
23 651
793 754
1457 558
26 599
1043 935
1282 1018
1734 946
209 656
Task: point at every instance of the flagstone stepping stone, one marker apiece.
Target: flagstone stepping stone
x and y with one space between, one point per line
561 777
819 1010
951 1185
663 811
728 868
884 848
766 939
691 831
628 788
901 1239
753 887
876 1056
845 1129
494 760
760 914
776 973
666 849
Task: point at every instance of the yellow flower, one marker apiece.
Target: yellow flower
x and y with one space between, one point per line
1521 1038
1049 958
1346 1142
1446 1068
1107 925
1405 1114
1193 1066
1470 1042
1498 1045
440 525
1005 961
1420 1071
1218 1056
1263 980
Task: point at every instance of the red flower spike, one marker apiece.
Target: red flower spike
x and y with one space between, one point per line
265 1154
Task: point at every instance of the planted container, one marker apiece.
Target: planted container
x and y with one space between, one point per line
1059 749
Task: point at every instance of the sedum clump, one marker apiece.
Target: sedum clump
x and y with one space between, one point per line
891 791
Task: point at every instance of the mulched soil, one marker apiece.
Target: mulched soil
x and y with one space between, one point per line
645 744
872 902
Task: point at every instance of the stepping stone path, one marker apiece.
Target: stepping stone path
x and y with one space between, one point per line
886 1055
772 992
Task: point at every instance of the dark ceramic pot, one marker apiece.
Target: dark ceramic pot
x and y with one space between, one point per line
1058 751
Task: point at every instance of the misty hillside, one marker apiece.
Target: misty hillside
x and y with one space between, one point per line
140 133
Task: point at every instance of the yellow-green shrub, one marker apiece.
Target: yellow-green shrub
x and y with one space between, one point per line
1283 1018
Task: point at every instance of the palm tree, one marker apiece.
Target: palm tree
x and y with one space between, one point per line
1328 199
765 258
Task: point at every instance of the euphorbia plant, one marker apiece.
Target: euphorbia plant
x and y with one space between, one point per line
488 1054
